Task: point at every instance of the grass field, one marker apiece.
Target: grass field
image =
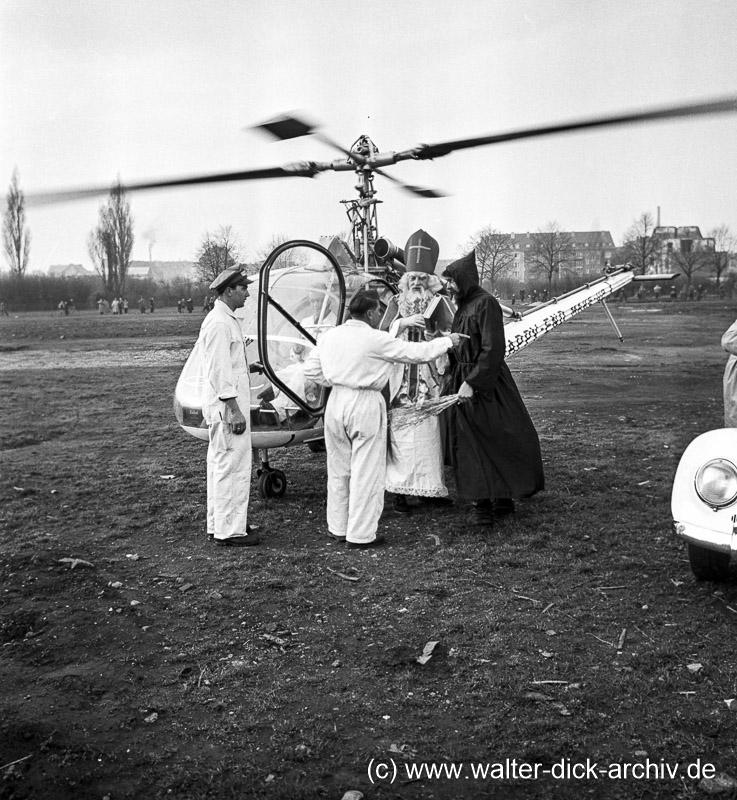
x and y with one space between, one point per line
140 661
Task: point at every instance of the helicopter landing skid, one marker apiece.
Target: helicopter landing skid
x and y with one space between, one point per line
271 482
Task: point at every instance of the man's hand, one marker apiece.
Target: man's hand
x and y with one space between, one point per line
465 393
415 321
456 338
237 420
238 423
256 366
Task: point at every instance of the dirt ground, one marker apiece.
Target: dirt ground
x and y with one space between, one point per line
576 654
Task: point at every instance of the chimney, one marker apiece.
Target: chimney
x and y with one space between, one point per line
658 216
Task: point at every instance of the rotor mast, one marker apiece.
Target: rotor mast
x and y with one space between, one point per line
361 211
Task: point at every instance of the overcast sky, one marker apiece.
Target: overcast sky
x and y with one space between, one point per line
138 89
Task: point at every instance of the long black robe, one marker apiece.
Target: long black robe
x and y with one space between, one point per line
490 440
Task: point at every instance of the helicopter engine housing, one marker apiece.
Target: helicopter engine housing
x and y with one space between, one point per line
387 250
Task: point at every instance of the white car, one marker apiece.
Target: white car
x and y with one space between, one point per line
704 502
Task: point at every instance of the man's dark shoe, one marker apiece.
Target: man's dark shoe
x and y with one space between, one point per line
379 541
482 514
437 501
401 505
336 537
248 540
249 529
503 507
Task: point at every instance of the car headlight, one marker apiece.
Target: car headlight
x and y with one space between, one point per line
716 483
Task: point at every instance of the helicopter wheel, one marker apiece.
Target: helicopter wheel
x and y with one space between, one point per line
272 483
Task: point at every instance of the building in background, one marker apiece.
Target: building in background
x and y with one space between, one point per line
163 271
588 253
674 243
68 271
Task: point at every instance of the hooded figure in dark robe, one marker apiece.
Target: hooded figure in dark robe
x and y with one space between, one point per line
491 441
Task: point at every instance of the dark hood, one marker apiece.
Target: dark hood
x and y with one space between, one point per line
465 274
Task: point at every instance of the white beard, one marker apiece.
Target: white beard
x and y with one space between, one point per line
414 301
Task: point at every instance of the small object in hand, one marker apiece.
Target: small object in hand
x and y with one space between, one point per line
407 416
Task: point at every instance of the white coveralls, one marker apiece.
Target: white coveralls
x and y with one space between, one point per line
225 375
729 343
356 360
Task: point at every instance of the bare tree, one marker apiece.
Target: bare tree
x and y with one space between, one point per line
725 242
551 252
271 245
217 252
641 248
16 236
110 243
494 254
285 260
691 260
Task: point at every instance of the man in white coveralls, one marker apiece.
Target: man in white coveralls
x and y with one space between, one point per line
355 359
226 408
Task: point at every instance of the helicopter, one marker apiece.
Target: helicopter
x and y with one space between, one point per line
304 286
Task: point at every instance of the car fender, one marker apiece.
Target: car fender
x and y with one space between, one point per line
693 519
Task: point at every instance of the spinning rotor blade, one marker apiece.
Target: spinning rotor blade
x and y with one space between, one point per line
418 191
304 169
289 127
720 106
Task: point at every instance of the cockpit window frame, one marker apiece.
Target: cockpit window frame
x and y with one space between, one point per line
265 302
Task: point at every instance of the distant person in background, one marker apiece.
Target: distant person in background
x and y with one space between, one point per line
101 305
522 295
3 310
657 289
673 293
125 305
152 305
142 305
190 305
180 305
729 383
115 305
